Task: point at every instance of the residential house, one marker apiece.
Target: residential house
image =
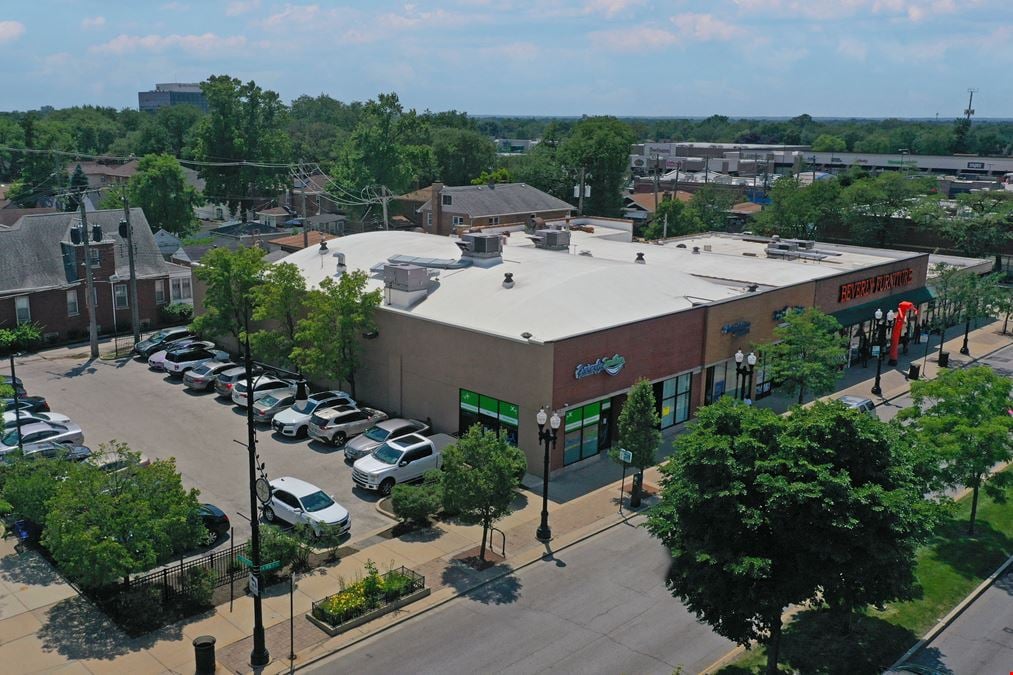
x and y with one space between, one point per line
167 243
234 234
42 275
277 217
298 242
332 223
10 214
639 206
308 195
452 210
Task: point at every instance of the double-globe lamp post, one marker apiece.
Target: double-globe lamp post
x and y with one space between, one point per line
547 437
881 329
744 374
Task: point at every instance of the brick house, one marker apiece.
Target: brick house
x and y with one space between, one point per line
452 210
42 275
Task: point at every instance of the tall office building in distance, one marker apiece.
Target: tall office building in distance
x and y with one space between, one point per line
171 93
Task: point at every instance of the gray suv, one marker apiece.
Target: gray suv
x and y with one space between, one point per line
373 437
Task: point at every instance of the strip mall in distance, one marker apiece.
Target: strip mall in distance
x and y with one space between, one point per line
490 327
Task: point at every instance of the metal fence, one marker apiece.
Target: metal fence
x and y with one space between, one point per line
174 580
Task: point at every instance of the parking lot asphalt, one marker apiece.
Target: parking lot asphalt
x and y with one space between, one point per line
159 417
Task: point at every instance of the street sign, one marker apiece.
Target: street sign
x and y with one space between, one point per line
246 561
267 567
254 589
625 456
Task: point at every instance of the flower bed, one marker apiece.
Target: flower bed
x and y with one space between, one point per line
368 598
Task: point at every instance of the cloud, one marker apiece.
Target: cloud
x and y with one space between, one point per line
238 7
633 38
609 7
175 6
93 22
706 27
199 44
852 48
11 31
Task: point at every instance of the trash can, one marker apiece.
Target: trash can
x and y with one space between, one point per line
204 654
944 359
914 371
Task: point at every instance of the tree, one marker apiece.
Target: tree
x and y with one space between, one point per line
963 415
982 224
231 277
874 206
480 474
681 220
499 175
102 527
28 486
541 168
829 143
806 353
159 188
600 146
762 512
711 204
78 187
244 123
280 299
638 433
461 155
800 211
328 337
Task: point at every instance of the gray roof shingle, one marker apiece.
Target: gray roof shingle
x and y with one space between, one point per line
31 251
477 201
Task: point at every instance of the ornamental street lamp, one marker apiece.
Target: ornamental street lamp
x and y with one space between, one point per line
547 437
751 362
882 327
744 374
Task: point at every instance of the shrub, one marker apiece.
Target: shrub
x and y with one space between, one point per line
199 585
365 594
418 503
277 545
138 610
177 313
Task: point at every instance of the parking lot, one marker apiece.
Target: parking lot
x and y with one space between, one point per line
157 416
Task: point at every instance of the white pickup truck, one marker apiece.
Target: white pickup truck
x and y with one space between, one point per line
400 460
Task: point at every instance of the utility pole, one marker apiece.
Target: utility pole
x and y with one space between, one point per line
384 198
580 199
305 232
135 319
89 286
657 179
970 99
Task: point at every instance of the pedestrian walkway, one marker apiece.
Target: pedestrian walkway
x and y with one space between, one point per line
46 626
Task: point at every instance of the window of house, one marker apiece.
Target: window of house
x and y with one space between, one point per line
429 218
494 220
72 307
93 256
120 293
489 412
22 310
180 289
458 220
159 292
448 200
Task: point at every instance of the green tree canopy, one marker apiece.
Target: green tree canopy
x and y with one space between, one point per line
461 155
480 473
160 188
829 143
681 219
762 512
806 353
800 211
244 123
638 432
963 415
601 146
280 300
710 204
328 337
499 175
874 207
231 277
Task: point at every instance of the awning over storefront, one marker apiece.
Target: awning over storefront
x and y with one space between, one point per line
866 311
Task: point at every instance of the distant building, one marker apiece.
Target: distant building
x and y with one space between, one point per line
171 93
451 210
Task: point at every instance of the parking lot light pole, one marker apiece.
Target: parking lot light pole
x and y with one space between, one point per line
259 656
547 437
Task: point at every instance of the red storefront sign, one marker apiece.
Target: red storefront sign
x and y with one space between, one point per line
873 285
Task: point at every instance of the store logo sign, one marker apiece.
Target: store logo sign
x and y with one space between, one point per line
738 328
783 312
872 285
610 365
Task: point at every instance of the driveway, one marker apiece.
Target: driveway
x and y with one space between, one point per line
158 416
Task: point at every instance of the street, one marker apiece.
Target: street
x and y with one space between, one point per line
159 417
980 640
599 607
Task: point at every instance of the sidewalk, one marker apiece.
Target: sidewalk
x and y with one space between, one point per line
44 625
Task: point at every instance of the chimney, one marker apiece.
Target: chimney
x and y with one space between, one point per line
436 208
640 259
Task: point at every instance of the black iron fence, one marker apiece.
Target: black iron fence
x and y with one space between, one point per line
222 568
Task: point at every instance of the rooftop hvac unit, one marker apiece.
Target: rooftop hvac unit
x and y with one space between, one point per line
555 240
405 277
482 245
807 244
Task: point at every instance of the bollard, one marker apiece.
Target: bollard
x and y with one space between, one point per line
204 654
944 360
914 371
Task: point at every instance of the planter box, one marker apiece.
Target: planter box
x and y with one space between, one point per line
368 616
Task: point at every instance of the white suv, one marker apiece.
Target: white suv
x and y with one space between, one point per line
264 386
337 425
295 501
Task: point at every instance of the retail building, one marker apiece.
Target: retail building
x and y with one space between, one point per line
491 327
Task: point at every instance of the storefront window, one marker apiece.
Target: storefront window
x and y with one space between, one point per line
489 412
582 433
674 397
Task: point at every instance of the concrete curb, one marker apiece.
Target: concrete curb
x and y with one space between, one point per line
444 600
952 616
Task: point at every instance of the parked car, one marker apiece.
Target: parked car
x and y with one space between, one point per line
295 501
215 521
31 404
370 439
12 418
159 340
227 379
202 376
295 421
114 462
157 360
262 387
15 383
180 361
337 425
32 434
400 460
266 408
53 449
862 404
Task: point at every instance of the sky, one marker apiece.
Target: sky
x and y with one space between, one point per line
670 58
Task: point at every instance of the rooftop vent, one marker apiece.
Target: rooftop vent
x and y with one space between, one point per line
696 249
508 280
640 259
323 246
553 240
404 285
752 288
484 250
707 248
680 246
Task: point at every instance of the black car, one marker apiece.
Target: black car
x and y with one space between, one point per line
161 340
215 520
15 383
32 404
